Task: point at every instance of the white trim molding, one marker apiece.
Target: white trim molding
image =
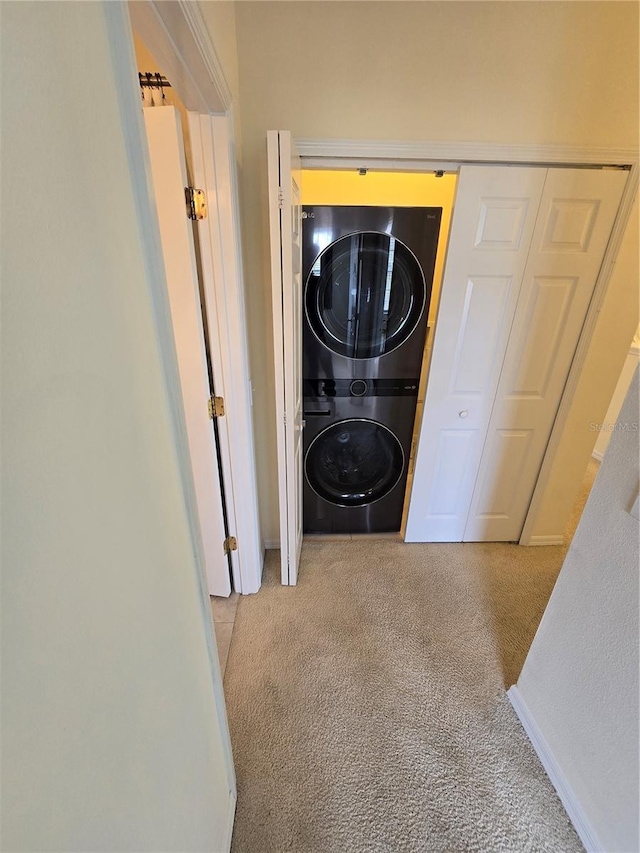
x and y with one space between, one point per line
552 539
565 792
457 153
231 815
199 31
177 36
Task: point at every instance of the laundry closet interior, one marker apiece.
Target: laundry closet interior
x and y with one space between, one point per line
439 314
373 246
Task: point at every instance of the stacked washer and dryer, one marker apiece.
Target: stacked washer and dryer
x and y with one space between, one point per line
368 273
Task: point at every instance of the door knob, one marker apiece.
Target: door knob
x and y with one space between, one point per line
463 414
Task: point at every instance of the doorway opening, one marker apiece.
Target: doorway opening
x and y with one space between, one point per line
202 205
373 188
528 328
187 158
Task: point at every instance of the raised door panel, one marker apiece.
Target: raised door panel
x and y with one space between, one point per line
576 216
493 221
485 301
546 317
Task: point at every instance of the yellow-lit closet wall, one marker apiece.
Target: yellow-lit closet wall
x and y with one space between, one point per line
392 189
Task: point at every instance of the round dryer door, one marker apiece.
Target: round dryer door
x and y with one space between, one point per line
354 462
364 295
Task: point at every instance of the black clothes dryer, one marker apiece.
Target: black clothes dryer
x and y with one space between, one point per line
368 273
357 441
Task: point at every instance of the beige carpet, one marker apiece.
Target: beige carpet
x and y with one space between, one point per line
367 705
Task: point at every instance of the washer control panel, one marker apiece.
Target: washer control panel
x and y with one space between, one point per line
360 388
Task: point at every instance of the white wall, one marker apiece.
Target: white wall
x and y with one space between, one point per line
606 427
526 72
580 678
111 735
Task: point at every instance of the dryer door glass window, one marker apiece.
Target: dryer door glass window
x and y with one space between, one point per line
364 295
354 462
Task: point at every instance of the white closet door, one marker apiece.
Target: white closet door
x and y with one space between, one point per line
493 220
576 216
169 176
286 280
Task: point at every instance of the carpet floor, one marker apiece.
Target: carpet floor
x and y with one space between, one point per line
367 705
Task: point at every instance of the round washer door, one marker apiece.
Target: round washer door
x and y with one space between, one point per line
354 462
364 295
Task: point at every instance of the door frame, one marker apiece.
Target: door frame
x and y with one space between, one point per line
434 156
285 231
176 34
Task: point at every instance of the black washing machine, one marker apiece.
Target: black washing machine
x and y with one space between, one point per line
357 440
368 273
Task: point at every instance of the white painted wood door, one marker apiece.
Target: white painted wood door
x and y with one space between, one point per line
493 220
572 230
286 282
213 164
169 177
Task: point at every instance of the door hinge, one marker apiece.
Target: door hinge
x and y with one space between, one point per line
230 544
196 203
280 198
216 407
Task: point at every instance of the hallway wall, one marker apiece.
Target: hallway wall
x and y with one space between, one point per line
580 679
527 72
220 20
111 735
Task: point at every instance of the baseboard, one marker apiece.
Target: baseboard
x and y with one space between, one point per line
564 790
554 539
231 814
597 454
271 544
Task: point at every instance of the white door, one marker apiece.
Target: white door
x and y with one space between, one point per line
213 165
286 283
169 177
494 216
574 222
